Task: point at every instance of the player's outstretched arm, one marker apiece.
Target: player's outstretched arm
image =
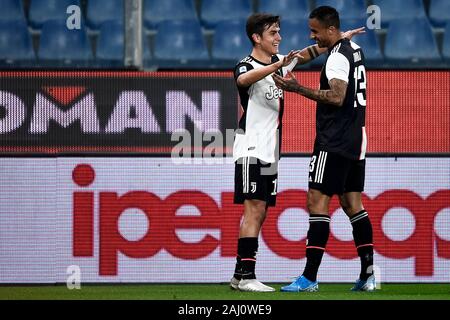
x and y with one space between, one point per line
335 96
313 51
350 33
249 78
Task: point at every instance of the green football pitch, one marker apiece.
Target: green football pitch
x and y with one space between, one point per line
218 292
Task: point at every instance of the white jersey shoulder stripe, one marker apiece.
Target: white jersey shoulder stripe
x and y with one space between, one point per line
337 67
354 45
336 49
247 59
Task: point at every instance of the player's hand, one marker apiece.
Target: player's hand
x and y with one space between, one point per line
291 56
288 83
350 33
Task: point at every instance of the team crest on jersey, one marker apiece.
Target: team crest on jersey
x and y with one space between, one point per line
253 190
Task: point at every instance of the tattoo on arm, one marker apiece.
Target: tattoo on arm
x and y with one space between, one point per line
334 96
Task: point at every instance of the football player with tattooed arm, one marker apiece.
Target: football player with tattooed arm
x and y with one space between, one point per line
256 146
337 164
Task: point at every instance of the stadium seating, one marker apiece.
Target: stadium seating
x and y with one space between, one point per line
446 44
368 41
99 11
111 44
213 11
393 10
348 9
156 11
41 11
12 10
15 43
439 12
180 40
211 33
61 46
287 9
411 41
230 41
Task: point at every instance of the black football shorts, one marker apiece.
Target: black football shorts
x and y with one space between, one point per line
332 173
255 180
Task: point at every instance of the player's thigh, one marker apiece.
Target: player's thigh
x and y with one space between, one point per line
318 202
328 172
255 209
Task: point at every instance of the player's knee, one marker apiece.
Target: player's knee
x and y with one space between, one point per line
256 209
344 205
312 202
351 211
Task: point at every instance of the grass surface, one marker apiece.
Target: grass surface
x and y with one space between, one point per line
219 292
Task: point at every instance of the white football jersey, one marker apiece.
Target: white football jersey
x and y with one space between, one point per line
260 124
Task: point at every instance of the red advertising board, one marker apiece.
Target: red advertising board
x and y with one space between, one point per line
79 112
407 112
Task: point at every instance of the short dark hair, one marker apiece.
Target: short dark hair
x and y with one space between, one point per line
259 22
326 15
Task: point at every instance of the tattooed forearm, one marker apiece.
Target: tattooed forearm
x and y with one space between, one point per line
334 96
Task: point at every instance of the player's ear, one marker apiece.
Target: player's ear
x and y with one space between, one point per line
256 38
331 30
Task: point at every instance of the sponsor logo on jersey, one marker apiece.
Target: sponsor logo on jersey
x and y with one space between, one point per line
274 93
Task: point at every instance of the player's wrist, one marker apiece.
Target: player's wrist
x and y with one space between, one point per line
279 64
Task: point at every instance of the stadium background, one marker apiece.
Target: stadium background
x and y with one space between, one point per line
87 177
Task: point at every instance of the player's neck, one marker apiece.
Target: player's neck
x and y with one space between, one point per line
261 55
335 40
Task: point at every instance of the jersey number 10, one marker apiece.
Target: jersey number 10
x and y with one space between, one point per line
360 86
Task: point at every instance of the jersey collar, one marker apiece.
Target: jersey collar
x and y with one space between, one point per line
336 44
260 62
